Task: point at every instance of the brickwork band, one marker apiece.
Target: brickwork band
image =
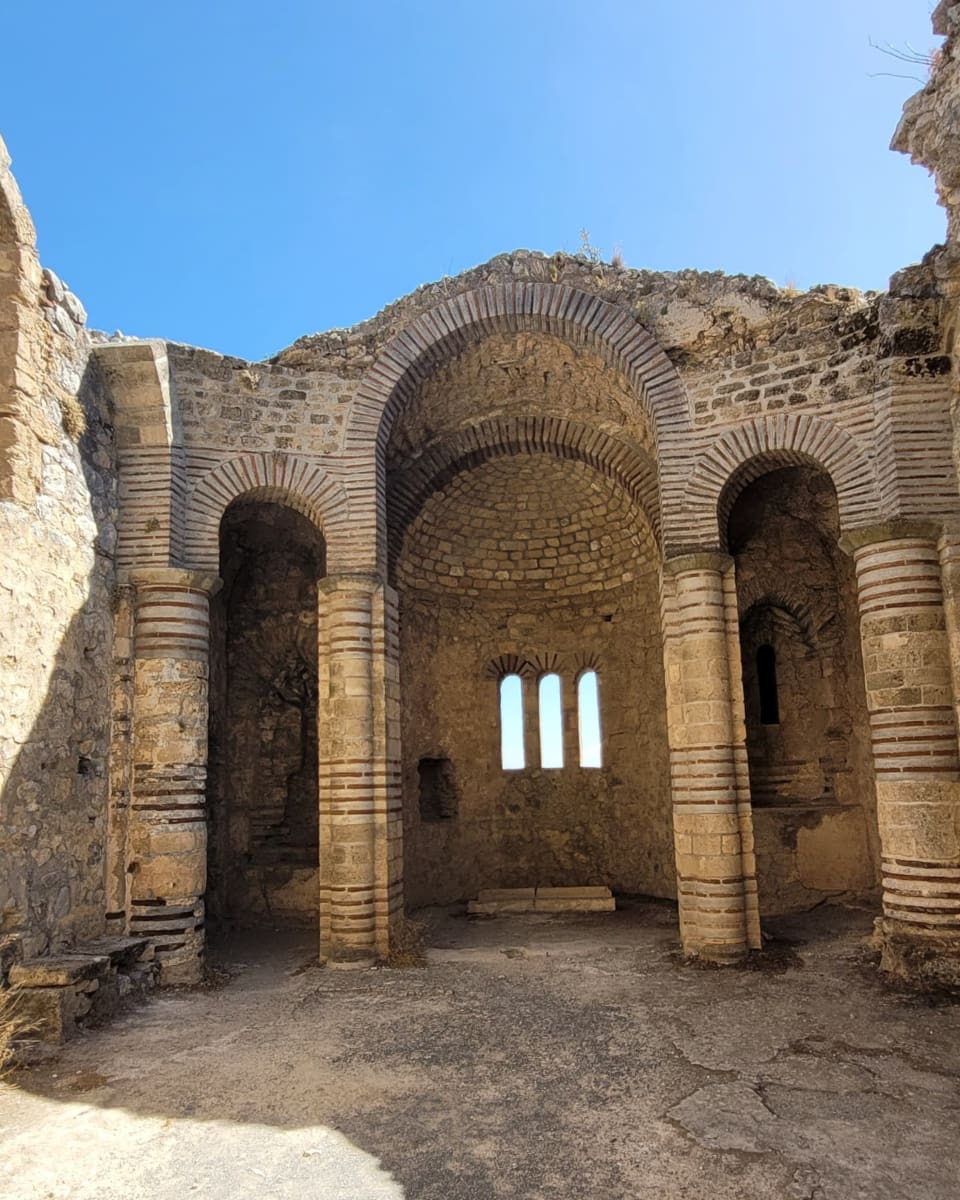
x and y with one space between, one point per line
167 847
706 778
360 807
913 726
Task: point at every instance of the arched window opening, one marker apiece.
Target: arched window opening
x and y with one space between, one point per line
512 756
551 722
767 685
588 719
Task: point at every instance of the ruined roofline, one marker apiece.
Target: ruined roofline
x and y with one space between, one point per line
689 312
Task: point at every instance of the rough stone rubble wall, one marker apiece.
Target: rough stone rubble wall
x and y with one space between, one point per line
57 529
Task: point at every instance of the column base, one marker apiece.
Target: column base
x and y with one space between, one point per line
923 959
721 956
351 958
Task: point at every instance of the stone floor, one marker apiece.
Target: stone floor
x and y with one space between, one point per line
535 1057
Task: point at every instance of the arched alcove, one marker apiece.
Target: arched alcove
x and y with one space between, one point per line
807 730
263 755
525 540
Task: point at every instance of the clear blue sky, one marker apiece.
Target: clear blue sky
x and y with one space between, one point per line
237 174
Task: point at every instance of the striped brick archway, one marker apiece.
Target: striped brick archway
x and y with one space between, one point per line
285 478
446 330
409 486
766 444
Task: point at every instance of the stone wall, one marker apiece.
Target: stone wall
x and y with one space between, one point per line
58 511
498 575
537 456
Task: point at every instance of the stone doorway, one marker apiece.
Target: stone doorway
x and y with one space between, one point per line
263 755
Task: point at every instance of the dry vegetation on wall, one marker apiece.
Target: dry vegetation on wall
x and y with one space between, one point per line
15 1027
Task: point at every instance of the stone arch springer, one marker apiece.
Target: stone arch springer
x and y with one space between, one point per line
272 476
765 444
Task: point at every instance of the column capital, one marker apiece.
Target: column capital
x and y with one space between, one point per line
698 560
176 579
351 582
894 530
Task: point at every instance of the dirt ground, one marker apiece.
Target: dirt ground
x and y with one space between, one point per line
556 1058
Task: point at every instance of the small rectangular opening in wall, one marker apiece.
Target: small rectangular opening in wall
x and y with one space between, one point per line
438 791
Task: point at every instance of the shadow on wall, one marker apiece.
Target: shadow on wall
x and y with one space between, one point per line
56 642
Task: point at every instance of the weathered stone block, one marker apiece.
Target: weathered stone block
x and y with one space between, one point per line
64 970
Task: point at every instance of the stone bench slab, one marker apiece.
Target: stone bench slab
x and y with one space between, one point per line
122 951
64 970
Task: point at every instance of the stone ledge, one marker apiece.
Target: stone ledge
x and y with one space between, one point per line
65 970
496 901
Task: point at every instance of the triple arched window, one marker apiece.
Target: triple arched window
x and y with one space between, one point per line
549 715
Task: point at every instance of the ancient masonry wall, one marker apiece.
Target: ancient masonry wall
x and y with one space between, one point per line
543 464
58 511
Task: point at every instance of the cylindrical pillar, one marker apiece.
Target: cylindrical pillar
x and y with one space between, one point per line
913 727
360 891
167 856
703 763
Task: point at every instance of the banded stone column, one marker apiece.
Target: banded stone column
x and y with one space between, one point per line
913 728
360 801
704 772
167 833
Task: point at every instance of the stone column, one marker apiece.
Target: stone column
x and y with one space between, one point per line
360 800
531 720
913 726
705 776
167 834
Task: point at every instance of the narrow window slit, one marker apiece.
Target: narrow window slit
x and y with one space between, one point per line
588 720
512 755
551 722
767 684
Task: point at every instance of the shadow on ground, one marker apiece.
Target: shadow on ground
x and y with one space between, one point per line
534 1057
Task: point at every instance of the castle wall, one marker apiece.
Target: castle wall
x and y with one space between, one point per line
58 506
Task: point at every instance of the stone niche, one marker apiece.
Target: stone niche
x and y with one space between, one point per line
263 719
538 564
811 777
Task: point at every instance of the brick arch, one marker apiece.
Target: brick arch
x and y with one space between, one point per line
766 444
443 332
752 598
440 334
285 478
411 485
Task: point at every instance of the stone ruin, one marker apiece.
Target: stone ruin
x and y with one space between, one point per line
270 629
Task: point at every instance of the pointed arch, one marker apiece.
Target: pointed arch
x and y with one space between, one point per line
286 478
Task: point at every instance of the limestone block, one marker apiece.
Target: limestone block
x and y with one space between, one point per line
171 875
835 855
51 1013
65 970
123 952
920 819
